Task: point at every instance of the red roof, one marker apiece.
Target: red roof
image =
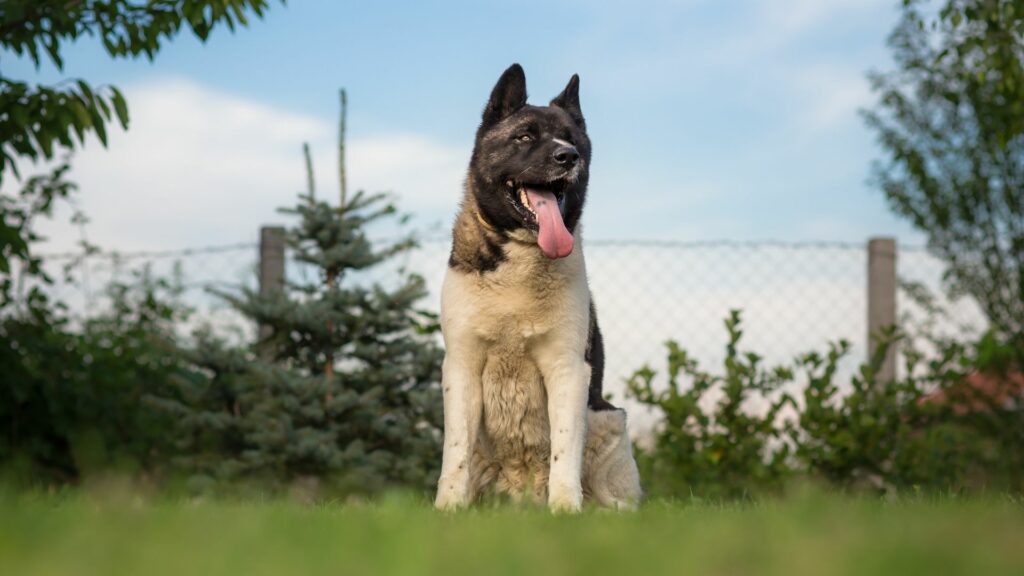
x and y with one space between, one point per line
979 391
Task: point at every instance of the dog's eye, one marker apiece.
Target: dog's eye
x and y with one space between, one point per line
524 138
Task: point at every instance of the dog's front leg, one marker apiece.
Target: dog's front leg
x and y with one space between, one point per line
463 409
566 378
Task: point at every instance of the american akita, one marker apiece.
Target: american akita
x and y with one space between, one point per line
523 410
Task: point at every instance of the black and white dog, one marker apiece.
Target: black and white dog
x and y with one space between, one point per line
523 409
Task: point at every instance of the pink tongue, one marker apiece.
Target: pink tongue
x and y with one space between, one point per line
555 241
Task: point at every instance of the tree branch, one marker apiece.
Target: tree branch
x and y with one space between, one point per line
35 14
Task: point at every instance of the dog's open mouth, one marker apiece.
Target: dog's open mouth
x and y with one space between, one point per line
542 207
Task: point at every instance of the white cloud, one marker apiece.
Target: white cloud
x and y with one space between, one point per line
831 96
796 16
782 21
426 177
198 167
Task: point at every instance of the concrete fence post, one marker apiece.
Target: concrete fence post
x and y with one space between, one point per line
271 264
882 299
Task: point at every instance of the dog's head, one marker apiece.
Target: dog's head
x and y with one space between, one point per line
530 165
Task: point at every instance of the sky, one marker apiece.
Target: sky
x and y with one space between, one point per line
710 120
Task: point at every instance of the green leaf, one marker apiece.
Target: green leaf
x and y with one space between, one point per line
99 127
120 107
956 18
86 91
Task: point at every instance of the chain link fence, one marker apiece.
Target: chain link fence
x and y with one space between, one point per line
794 297
83 281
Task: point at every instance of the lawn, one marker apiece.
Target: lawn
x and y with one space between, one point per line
115 534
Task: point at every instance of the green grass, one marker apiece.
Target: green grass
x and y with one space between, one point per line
111 534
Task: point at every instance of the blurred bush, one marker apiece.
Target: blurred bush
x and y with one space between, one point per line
709 442
740 434
70 390
70 402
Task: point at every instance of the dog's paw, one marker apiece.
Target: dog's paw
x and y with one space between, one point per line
565 499
448 501
448 504
451 495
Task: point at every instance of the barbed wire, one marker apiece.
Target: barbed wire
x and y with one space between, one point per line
150 254
672 244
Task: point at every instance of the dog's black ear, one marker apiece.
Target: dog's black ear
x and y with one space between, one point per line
509 95
569 100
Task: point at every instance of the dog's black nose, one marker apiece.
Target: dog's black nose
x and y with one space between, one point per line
566 155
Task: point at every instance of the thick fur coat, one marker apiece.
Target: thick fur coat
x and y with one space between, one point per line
524 357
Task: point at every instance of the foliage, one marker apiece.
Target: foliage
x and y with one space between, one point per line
884 436
998 415
329 321
38 117
37 121
344 386
727 451
985 389
70 402
951 121
739 433
18 264
70 399
70 395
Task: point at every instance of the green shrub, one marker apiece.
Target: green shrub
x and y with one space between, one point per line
738 434
883 435
728 451
70 389
70 402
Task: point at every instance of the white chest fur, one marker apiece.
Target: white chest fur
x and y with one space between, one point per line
527 297
515 320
